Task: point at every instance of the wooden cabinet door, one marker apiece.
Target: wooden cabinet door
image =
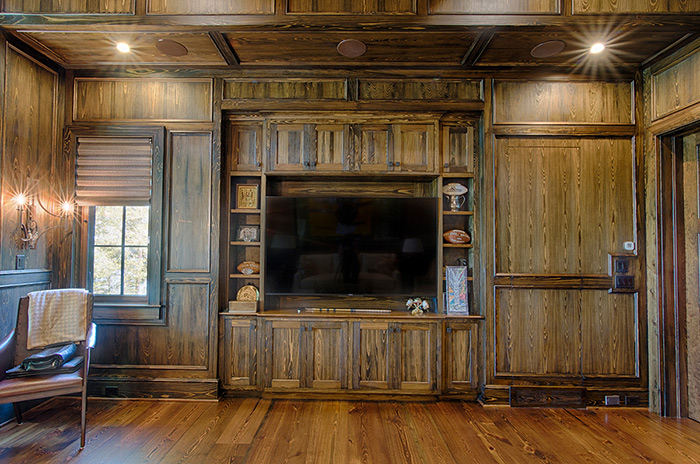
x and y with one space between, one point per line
245 146
374 147
415 147
283 354
457 149
372 355
289 147
326 355
332 147
416 356
239 352
460 356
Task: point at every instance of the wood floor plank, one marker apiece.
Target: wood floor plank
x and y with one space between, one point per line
260 431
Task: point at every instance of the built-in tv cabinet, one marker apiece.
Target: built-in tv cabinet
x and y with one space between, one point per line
279 350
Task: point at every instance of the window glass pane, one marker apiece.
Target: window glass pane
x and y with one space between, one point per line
107 268
135 270
108 225
136 231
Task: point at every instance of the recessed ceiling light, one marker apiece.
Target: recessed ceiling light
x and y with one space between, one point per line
123 47
597 47
352 48
548 49
170 47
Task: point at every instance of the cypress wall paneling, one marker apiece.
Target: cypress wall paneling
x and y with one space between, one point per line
70 7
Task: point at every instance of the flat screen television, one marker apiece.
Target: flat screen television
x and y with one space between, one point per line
351 246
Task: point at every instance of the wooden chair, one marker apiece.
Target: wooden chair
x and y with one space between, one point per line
13 349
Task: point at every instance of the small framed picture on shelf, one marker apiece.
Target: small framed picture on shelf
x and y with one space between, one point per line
248 233
247 196
457 292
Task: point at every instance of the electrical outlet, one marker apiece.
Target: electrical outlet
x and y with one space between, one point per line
624 281
20 262
612 400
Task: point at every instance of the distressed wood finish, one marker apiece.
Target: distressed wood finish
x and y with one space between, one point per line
372 356
238 366
211 7
69 6
460 361
321 90
30 162
289 147
489 7
415 147
190 202
562 102
442 90
676 87
244 144
366 7
375 146
635 6
458 148
333 147
327 352
416 356
283 354
143 99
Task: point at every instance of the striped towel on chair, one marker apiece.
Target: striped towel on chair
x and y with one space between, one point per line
56 316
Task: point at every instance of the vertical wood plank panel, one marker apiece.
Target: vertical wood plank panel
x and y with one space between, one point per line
339 7
330 146
190 202
372 355
676 87
328 369
284 357
491 7
69 6
375 144
223 7
635 6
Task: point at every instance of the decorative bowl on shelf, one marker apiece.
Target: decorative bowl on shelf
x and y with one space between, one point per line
456 236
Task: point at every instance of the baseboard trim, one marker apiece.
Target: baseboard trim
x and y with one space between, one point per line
131 387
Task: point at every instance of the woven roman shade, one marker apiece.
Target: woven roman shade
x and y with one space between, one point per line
113 171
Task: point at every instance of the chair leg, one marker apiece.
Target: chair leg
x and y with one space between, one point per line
83 411
18 413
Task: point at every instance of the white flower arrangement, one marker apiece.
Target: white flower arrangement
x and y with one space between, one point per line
417 305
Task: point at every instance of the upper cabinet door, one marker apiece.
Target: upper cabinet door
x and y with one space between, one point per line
457 149
289 147
245 146
333 147
375 147
415 147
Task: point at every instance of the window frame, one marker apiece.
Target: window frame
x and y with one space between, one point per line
129 309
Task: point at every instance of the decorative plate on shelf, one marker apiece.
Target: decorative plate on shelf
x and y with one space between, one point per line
248 267
248 293
454 189
456 236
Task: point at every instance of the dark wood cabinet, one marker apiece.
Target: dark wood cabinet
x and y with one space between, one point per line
283 353
372 352
245 146
460 362
238 353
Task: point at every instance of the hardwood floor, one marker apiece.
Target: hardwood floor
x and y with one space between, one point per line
238 430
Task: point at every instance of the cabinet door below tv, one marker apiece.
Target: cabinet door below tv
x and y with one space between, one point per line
417 356
239 352
283 354
326 355
372 357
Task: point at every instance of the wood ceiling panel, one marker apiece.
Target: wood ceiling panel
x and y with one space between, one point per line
338 7
77 49
493 7
624 46
69 6
198 7
393 48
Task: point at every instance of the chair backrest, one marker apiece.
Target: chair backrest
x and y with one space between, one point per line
21 351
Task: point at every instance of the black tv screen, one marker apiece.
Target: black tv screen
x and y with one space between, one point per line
351 246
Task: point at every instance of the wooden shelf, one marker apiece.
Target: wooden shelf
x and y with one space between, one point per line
244 276
457 245
457 175
458 213
246 243
246 173
246 211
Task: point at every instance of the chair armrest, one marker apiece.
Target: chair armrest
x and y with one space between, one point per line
7 353
91 336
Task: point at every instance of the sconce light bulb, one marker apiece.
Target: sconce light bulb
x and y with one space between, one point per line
21 199
597 47
123 47
67 207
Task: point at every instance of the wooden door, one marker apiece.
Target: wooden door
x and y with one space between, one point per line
283 354
416 356
245 146
239 353
415 147
561 206
372 355
326 355
374 147
332 147
460 356
289 147
457 148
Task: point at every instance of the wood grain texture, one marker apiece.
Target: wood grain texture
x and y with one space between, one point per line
69 6
244 145
246 430
457 149
283 354
206 7
30 162
332 145
327 354
375 146
562 102
289 147
489 7
286 89
366 7
372 355
238 356
415 147
142 99
676 87
635 6
418 90
189 202
416 345
460 364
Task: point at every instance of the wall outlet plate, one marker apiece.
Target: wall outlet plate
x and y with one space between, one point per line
629 246
20 262
612 400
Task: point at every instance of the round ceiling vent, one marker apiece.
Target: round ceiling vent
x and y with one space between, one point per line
548 49
170 47
352 48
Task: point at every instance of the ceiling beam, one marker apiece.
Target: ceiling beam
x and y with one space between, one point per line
477 48
225 49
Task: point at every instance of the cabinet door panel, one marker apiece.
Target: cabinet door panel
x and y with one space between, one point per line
458 149
460 356
246 147
415 147
240 352
327 355
417 354
376 145
372 355
283 354
331 147
288 147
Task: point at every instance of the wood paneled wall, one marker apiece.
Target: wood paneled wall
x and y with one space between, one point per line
69 6
676 87
635 6
490 7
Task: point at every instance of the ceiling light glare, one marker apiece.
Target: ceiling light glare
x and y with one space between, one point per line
123 47
597 48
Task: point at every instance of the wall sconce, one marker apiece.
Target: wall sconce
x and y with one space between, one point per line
28 228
